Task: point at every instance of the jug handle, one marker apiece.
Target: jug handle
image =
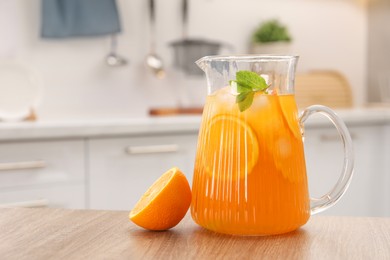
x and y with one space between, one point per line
329 199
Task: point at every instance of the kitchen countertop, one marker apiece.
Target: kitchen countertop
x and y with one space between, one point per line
155 125
88 234
98 127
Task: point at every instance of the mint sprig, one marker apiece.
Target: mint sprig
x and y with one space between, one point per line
246 84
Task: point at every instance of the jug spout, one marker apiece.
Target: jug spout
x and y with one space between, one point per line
202 63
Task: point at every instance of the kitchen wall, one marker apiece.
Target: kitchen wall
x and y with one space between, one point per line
328 34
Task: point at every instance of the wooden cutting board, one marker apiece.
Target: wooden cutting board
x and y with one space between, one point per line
171 111
328 88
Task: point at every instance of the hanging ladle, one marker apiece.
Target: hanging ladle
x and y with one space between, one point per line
152 60
113 59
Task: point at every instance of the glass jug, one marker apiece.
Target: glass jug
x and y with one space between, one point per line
250 172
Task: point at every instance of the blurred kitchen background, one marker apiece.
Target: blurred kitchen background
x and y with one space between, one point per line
348 36
111 104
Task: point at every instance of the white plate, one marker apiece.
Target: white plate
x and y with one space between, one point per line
20 91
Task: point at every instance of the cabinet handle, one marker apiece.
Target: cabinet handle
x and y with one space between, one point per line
22 165
166 148
40 203
334 138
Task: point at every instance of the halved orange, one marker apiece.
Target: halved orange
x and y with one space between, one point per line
232 148
165 203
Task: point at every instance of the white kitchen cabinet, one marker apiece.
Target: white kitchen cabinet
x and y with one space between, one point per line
43 173
71 196
110 164
121 169
367 194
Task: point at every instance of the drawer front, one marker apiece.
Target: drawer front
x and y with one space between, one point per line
366 195
57 196
43 162
122 169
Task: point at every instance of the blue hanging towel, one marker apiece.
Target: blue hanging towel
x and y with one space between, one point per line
79 18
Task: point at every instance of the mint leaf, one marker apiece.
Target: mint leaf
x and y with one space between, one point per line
239 88
242 96
247 83
245 100
251 80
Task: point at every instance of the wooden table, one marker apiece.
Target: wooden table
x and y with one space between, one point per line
88 234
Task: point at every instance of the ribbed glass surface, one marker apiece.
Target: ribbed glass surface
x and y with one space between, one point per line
250 176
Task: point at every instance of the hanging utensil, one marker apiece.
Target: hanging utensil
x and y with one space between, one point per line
113 59
187 50
184 13
152 60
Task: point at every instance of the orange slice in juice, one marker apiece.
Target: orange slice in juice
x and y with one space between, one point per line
290 114
232 148
289 142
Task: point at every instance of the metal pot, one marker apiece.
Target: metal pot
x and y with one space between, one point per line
187 51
